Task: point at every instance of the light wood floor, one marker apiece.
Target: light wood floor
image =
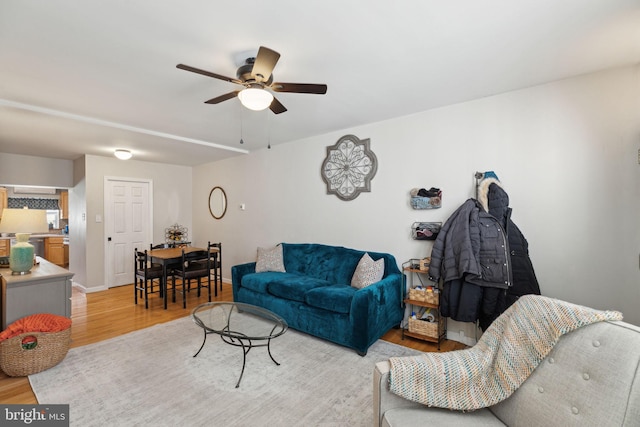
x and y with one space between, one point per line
102 315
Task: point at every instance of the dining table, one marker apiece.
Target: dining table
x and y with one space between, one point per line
173 255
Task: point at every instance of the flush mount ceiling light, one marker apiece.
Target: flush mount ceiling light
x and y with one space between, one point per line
123 154
256 99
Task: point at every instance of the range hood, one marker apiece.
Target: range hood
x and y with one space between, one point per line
34 190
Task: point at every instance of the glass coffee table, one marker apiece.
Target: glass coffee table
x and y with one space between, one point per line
239 324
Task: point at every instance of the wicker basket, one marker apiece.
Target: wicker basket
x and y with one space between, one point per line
423 327
416 294
426 202
423 295
19 360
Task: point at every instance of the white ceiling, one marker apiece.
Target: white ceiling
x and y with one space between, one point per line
88 76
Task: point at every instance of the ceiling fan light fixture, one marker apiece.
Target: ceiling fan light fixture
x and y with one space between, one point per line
123 154
255 99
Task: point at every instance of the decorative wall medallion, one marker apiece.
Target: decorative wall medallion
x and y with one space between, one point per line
349 167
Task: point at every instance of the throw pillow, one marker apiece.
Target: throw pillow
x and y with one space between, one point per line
367 272
270 259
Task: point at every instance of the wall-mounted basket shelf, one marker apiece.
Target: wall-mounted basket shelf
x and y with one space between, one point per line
425 230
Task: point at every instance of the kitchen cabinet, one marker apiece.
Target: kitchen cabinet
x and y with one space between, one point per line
64 205
54 250
5 246
66 255
4 199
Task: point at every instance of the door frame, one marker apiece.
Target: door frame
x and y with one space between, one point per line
108 273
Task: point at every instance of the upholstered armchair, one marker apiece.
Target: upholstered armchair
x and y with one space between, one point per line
590 377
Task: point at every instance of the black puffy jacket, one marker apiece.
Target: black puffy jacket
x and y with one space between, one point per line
484 268
472 245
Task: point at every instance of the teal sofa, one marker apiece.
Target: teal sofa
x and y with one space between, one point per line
315 295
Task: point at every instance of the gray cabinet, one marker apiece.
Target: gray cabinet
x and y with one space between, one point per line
47 289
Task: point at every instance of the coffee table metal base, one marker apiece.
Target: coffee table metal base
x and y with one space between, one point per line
238 341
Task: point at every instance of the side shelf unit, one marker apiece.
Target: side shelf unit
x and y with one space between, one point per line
432 330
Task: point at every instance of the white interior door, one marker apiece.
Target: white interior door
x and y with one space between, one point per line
127 226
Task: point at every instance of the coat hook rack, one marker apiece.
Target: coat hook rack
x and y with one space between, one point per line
482 175
478 176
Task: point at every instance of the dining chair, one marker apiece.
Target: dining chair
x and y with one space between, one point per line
216 264
145 273
194 265
152 247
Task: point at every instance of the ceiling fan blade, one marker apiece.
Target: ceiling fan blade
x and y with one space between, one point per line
264 64
224 97
277 107
318 89
207 73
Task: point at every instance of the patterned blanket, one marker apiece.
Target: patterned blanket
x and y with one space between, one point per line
503 358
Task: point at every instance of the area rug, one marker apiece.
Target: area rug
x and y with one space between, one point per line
150 377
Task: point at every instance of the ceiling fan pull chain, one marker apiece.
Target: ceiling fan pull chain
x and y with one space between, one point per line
269 132
241 140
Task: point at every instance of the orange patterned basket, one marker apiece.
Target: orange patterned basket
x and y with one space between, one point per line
32 352
34 343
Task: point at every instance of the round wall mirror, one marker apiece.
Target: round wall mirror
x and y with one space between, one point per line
217 202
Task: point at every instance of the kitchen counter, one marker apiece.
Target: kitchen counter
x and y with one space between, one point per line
47 289
52 246
36 236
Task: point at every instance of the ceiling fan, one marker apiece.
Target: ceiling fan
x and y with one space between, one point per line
256 77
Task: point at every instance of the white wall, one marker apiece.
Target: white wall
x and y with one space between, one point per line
172 203
566 152
17 169
77 224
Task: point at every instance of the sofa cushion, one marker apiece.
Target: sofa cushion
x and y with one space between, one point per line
336 298
294 287
334 264
367 272
270 260
407 417
258 282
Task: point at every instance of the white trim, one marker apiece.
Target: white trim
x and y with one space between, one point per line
456 336
82 288
115 125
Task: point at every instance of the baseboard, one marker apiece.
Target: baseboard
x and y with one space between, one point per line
86 290
461 338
